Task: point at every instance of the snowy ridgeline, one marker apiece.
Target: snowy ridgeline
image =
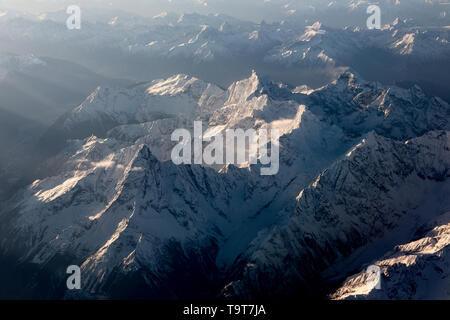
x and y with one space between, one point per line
205 38
359 163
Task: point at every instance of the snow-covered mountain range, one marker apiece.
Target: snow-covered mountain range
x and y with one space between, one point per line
203 38
415 270
299 50
322 45
356 206
358 162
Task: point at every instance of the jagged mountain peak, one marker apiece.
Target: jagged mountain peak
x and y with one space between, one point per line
349 79
359 106
256 86
312 31
108 107
356 201
180 83
409 269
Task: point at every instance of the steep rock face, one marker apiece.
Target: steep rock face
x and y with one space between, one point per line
359 106
107 108
255 99
318 46
414 270
119 210
356 200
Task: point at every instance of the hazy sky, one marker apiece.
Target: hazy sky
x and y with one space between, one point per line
255 10
244 9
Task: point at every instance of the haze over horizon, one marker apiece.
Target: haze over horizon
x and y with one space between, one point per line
254 10
92 177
